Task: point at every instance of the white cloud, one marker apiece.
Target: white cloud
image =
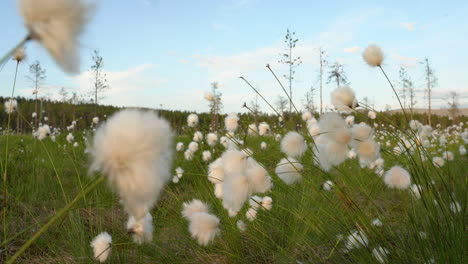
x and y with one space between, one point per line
407 62
126 86
353 49
410 26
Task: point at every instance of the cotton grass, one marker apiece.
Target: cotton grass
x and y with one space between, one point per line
289 170
203 226
373 55
293 144
344 99
136 162
10 106
397 177
57 25
101 245
192 120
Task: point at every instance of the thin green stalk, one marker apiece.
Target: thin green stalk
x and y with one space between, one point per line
59 215
290 99
396 94
260 95
6 156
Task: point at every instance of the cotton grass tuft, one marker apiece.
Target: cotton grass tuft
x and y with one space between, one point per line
57 25
101 245
397 177
293 144
373 55
137 162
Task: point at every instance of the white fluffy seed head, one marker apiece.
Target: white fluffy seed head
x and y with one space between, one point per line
101 245
344 99
10 106
356 239
397 177
203 227
306 116
234 161
216 171
251 214
192 207
380 253
192 120
252 130
241 225
236 191
377 222
57 25
259 179
263 129
330 154
371 114
267 203
179 172
206 155
188 154
289 170
438 161
231 122
373 55
367 150
193 146
137 163
141 229
211 139
197 136
328 185
263 145
209 96
42 132
415 190
293 144
349 120
361 131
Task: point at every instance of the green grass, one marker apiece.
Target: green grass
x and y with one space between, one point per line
302 226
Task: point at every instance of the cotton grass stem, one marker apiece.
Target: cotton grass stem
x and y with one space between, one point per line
260 95
282 87
6 154
59 215
10 53
396 94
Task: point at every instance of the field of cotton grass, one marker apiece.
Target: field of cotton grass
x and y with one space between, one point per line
337 188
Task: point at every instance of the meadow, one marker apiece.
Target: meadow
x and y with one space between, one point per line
308 222
351 185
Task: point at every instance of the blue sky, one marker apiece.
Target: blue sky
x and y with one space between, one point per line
168 52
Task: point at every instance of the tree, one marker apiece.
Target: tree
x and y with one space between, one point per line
37 75
254 107
337 74
431 82
366 101
452 101
412 97
215 105
293 62
404 85
99 80
63 93
309 100
323 63
281 103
